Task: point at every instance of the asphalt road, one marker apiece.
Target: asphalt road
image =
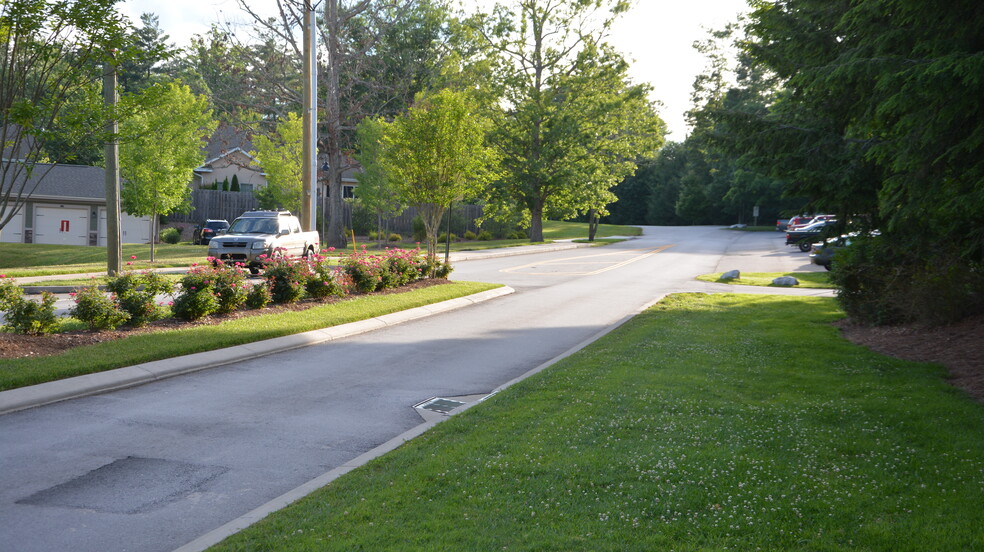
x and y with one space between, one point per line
153 467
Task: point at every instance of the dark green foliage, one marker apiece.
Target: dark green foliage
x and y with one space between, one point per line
485 235
234 186
363 219
419 231
195 304
135 292
225 184
170 235
470 236
30 317
880 283
97 310
258 296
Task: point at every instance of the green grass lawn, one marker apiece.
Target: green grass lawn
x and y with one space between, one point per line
146 347
706 423
806 279
29 259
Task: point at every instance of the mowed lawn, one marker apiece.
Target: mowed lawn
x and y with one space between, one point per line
705 423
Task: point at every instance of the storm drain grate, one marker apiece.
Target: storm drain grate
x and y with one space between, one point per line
128 486
438 404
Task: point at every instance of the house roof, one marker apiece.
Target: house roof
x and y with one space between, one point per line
63 182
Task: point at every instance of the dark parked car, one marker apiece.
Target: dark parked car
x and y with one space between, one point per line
208 230
806 236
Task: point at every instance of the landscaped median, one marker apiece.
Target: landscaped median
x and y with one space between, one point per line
705 423
146 347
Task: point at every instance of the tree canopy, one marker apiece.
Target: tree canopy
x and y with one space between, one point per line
436 154
573 124
159 148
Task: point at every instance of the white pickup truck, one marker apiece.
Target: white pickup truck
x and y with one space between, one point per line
259 235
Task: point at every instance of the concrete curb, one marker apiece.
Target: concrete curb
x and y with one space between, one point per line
110 380
222 532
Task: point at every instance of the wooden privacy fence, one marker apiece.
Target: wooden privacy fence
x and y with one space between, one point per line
218 204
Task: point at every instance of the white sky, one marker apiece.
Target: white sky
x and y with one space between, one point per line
656 36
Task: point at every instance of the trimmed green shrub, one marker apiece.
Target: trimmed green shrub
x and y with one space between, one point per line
443 238
485 235
258 296
471 236
97 310
195 304
170 235
394 237
29 317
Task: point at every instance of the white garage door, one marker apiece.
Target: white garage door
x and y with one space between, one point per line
61 225
132 229
13 232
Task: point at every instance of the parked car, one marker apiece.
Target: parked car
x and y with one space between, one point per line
823 253
803 221
806 236
257 236
781 225
208 230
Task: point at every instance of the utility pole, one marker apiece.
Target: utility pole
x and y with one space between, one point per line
114 249
309 165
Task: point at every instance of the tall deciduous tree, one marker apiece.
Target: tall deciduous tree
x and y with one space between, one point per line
280 155
436 154
573 124
160 147
374 56
377 190
48 54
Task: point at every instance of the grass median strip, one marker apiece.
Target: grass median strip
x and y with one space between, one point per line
820 280
146 347
705 423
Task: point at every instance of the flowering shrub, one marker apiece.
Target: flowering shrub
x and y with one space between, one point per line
97 310
392 268
287 277
29 317
9 292
323 279
258 296
228 283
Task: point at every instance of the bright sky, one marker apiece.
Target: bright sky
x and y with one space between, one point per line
656 36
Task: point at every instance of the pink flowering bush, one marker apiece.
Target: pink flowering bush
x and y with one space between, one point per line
390 269
323 279
287 277
226 284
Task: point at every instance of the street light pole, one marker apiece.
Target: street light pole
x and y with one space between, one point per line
309 167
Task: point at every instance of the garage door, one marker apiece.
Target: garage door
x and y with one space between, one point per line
132 229
61 225
13 232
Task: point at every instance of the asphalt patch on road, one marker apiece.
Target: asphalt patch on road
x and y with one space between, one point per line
129 485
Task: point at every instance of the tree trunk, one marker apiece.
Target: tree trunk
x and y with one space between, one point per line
336 228
154 223
536 224
592 224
